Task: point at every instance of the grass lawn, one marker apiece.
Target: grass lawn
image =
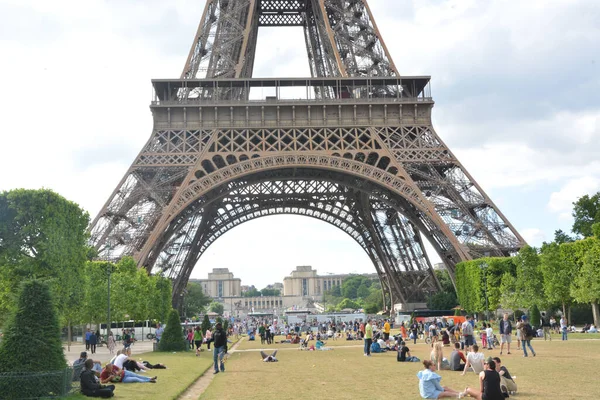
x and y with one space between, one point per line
182 370
561 370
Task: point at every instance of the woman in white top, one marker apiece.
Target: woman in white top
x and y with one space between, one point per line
474 360
490 336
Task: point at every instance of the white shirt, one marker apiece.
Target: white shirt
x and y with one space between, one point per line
563 323
120 360
476 361
489 332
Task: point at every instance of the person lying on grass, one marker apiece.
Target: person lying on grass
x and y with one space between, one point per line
268 358
114 374
429 384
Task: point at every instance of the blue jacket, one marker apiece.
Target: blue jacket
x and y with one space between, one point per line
429 384
509 331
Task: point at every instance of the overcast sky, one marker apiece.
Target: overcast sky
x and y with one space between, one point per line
516 85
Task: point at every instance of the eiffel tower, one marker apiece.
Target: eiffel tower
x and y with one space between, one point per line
353 146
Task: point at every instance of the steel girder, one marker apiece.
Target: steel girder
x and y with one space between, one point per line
394 246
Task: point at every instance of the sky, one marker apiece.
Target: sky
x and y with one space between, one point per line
516 86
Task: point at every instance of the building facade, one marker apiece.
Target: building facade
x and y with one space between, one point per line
304 281
220 284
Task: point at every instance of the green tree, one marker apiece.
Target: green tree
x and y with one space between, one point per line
586 285
557 275
336 291
362 291
442 301
586 212
270 292
172 338
252 292
534 315
530 278
348 303
32 342
205 324
195 300
160 301
217 307
509 298
561 237
124 299
43 235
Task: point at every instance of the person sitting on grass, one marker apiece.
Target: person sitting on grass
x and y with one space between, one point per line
474 360
437 356
114 374
89 383
268 358
506 380
320 345
79 365
404 354
429 384
456 357
489 384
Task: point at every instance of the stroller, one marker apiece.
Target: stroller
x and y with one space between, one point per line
304 343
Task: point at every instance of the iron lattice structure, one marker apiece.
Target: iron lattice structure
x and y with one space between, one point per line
353 146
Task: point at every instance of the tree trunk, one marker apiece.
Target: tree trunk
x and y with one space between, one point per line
69 335
596 313
569 321
564 310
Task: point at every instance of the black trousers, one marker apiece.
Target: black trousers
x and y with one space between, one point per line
104 392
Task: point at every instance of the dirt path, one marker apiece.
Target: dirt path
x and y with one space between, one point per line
198 387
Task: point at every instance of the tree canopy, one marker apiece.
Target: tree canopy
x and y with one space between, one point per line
586 212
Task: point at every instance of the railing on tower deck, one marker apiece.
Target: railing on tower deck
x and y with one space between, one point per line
171 92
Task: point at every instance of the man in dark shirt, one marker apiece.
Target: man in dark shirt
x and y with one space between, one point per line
506 380
220 343
89 383
404 354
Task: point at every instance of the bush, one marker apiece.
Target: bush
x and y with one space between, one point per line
172 338
32 343
205 324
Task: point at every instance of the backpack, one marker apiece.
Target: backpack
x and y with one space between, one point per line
467 329
528 330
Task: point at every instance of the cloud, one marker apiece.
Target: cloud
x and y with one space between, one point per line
533 236
561 202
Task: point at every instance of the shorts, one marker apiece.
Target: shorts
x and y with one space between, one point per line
198 343
505 339
469 340
386 336
436 394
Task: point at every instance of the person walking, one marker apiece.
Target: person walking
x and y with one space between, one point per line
208 338
505 333
527 334
219 349
110 343
198 340
368 338
414 329
87 338
545 324
93 342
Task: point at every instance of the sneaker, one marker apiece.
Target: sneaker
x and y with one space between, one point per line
534 354
501 353
461 395
506 353
215 372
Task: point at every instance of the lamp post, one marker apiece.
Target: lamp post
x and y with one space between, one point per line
108 272
484 266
